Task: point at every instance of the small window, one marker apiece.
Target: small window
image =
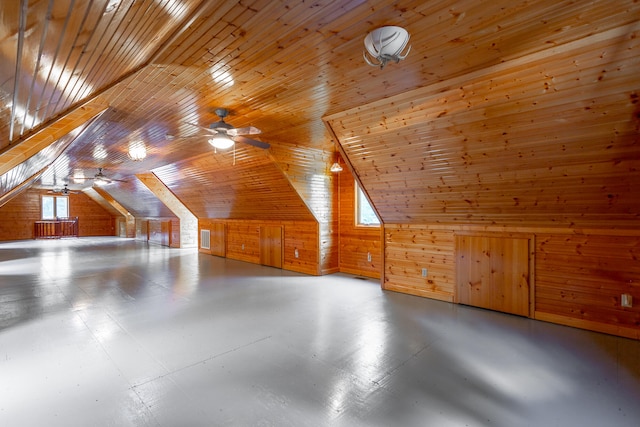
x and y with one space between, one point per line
365 215
55 207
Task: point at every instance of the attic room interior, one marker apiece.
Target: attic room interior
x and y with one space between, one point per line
259 177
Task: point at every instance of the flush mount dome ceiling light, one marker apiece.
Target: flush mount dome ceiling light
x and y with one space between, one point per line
386 44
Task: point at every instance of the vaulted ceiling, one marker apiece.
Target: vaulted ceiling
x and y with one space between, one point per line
503 110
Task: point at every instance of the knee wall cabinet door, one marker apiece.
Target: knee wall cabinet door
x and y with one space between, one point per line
271 246
493 273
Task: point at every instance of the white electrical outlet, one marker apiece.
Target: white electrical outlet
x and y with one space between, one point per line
626 300
243 246
295 253
369 256
425 272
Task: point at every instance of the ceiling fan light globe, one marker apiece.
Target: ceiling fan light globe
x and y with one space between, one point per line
221 142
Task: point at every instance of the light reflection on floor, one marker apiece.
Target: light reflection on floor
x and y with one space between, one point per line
110 331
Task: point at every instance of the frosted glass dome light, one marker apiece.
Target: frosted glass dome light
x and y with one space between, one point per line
386 44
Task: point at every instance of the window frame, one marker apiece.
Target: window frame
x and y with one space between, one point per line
359 198
54 200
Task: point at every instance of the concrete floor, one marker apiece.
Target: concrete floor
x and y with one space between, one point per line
112 332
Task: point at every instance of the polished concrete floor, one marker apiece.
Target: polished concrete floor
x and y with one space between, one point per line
112 332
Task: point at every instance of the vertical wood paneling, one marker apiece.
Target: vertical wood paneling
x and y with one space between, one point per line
493 273
271 245
409 249
218 239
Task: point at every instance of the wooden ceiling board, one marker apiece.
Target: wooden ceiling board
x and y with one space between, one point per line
211 186
139 201
501 82
104 203
466 154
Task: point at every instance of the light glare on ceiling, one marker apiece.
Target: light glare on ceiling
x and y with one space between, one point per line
137 150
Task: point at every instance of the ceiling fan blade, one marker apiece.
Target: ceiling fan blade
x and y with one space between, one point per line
254 142
209 131
249 130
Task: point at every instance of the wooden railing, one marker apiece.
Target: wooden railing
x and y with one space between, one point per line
56 229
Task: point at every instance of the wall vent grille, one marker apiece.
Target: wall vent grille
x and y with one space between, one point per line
205 239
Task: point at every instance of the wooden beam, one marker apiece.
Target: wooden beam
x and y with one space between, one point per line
21 150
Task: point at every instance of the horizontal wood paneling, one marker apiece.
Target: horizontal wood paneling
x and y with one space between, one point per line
211 186
93 220
217 236
512 114
303 236
18 215
243 242
356 243
544 139
580 280
409 249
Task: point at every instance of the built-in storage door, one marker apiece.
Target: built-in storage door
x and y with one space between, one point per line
218 239
271 246
493 273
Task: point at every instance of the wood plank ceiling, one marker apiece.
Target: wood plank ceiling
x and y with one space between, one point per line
493 98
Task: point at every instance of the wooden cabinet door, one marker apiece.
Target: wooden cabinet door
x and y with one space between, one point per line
271 246
218 240
493 273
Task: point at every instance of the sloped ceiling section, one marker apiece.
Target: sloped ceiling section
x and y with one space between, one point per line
138 199
65 52
249 187
548 138
281 66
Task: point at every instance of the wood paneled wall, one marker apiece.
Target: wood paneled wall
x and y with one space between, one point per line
544 143
577 280
580 280
493 271
18 215
142 229
243 242
357 243
410 248
93 220
159 232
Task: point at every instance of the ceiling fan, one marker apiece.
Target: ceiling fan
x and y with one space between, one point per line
65 191
224 135
99 178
